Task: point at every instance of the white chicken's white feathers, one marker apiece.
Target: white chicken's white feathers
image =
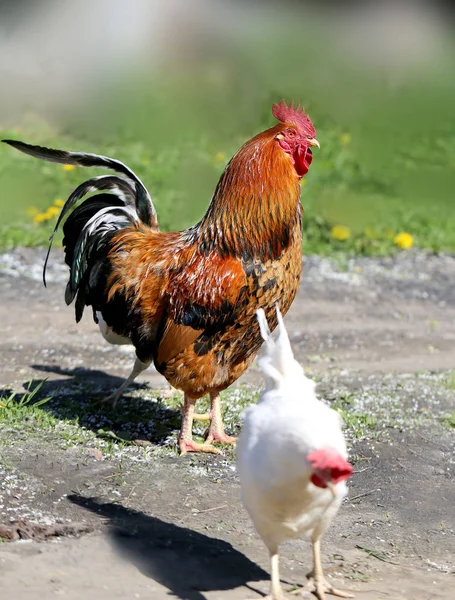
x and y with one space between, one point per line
276 361
283 375
278 433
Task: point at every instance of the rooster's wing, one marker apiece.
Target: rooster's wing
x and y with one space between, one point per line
203 298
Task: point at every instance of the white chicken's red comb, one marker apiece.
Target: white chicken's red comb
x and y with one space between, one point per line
297 116
328 459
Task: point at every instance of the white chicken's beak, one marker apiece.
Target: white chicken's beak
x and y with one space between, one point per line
332 488
314 142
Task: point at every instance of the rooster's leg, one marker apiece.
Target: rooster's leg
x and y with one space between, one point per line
317 582
139 366
186 443
215 432
201 416
196 416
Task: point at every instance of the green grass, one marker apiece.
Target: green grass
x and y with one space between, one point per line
30 414
73 416
16 409
144 422
379 171
450 380
360 424
448 420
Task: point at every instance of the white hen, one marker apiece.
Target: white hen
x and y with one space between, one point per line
292 459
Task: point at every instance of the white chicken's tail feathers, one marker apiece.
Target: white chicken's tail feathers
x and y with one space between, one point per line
278 350
263 325
277 361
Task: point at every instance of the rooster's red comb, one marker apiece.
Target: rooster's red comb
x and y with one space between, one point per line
297 116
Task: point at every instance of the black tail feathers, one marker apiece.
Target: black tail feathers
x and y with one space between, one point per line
90 227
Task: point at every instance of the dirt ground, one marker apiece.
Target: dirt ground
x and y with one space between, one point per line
162 526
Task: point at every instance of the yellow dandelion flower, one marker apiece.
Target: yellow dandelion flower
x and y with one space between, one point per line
40 217
51 212
32 211
345 139
58 203
340 232
220 157
68 167
404 240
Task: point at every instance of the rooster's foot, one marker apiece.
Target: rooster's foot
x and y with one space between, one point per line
191 446
139 366
218 437
201 417
215 432
112 399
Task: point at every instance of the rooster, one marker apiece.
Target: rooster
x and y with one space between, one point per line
187 300
291 459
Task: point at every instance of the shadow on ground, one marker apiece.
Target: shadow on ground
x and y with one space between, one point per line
184 561
96 379
79 398
6 393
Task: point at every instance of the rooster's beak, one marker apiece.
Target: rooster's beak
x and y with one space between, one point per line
314 142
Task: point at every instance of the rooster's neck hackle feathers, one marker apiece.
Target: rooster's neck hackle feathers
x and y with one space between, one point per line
259 188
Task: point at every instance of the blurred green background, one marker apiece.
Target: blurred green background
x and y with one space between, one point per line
191 86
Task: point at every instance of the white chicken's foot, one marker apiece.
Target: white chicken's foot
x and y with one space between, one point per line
138 367
320 587
215 432
317 583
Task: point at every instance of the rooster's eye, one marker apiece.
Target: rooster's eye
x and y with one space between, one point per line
291 133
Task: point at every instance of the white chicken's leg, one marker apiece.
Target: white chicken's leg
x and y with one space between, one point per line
276 591
139 366
215 432
317 582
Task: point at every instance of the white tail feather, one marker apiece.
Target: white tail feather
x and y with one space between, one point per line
263 325
277 361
